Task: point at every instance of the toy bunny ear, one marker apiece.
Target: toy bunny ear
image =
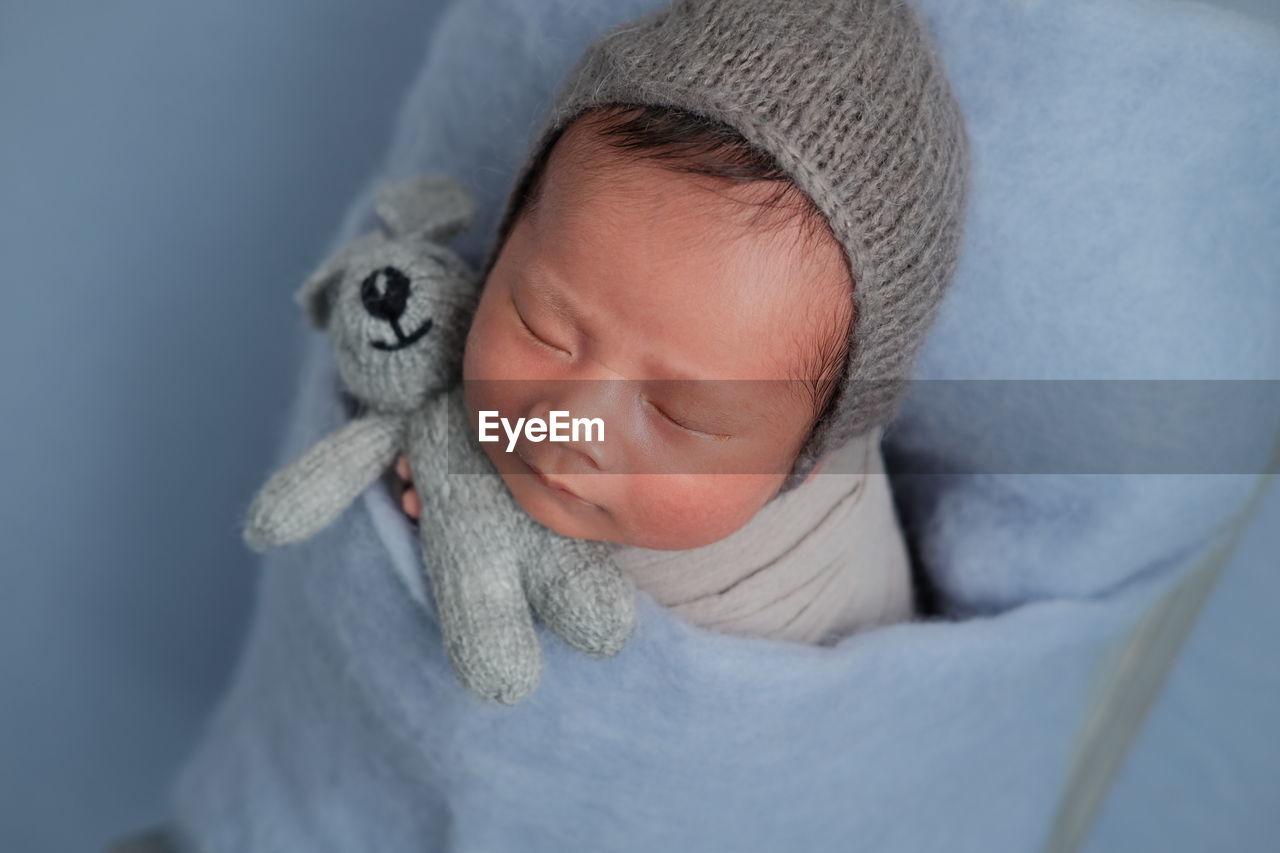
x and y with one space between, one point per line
315 296
434 207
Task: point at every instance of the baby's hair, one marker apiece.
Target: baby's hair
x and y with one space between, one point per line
694 144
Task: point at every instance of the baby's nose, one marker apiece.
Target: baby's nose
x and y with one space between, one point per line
580 399
385 293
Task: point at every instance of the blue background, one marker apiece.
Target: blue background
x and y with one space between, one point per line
168 174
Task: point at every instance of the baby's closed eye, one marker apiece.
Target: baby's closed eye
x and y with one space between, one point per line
685 423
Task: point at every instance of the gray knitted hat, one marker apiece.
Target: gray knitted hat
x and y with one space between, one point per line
850 99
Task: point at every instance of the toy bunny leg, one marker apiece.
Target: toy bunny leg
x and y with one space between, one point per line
305 496
484 615
471 552
580 593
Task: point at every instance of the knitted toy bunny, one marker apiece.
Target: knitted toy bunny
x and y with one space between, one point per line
397 307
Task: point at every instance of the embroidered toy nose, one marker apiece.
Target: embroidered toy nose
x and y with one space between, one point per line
385 293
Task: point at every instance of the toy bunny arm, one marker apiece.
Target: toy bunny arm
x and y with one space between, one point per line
304 497
580 592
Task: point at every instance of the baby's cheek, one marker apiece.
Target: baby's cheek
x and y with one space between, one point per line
494 350
486 352
670 512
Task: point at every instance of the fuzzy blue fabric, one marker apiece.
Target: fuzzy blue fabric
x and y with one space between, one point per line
1124 225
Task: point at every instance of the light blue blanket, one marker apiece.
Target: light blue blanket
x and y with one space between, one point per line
1125 225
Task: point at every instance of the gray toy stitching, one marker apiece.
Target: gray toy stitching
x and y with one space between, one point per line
397 307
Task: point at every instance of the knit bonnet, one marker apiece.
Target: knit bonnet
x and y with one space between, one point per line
850 99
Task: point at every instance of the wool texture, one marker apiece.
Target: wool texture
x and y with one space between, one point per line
1123 226
851 100
396 304
822 562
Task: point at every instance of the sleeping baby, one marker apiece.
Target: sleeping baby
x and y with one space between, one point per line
730 262
726 243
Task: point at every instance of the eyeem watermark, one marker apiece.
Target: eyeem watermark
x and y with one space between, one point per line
536 429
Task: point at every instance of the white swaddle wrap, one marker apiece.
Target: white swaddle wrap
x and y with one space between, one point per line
819 563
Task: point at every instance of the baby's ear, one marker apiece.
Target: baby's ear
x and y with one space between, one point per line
433 207
315 296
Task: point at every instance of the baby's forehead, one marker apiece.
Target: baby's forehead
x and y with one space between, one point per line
793 294
694 310
747 218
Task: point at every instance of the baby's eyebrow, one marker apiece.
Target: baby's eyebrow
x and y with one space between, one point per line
553 297
539 282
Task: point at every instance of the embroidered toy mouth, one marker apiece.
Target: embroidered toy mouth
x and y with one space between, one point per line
402 340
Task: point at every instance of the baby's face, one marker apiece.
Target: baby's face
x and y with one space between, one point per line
623 278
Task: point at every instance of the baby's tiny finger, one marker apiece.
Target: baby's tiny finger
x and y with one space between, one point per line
412 505
402 468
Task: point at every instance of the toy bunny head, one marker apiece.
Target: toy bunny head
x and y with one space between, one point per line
398 303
